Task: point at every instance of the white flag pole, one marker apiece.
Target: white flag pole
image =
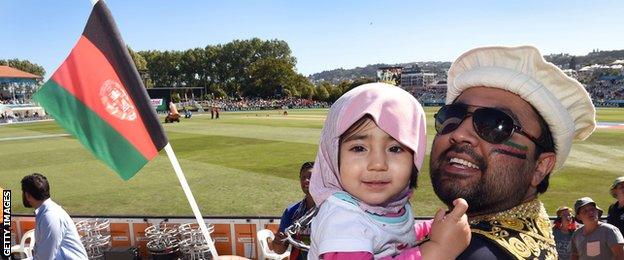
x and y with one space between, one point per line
187 192
191 199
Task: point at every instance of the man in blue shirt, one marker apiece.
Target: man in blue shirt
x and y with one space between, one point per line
55 233
294 212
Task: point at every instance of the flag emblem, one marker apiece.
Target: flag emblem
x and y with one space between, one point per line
97 95
117 101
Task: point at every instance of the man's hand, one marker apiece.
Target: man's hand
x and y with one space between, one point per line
279 246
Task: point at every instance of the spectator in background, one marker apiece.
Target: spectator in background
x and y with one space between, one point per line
616 210
294 212
563 229
55 231
595 240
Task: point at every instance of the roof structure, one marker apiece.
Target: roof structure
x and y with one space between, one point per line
9 72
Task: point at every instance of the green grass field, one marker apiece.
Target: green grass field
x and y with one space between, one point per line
246 163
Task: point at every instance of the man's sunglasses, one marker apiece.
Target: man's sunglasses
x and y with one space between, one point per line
491 124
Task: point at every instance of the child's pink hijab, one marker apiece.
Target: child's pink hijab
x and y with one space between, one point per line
394 110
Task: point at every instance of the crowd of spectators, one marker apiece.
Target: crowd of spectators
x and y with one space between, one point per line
17 101
430 96
263 104
6 117
23 113
242 104
604 90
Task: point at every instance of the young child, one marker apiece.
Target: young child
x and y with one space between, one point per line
371 149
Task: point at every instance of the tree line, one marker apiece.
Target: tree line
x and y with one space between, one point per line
240 68
251 68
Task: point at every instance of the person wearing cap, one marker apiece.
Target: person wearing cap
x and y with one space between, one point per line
595 239
563 229
508 123
616 210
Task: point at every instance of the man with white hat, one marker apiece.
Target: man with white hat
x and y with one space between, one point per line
616 210
595 239
509 122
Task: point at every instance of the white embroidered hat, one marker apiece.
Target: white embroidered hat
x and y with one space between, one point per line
562 101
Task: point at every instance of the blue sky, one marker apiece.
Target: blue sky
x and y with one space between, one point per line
322 34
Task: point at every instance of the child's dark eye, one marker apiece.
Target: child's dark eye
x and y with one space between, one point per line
396 149
357 149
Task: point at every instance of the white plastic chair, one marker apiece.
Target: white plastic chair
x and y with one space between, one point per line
264 237
23 247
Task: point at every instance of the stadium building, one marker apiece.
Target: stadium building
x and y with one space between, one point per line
16 86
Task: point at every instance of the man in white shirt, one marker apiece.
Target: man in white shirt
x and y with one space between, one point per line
55 233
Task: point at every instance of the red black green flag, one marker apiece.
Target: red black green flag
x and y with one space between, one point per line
98 96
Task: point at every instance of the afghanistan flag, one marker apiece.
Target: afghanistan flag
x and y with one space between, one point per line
98 96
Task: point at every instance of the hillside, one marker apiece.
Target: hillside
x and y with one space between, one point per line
370 71
567 61
562 60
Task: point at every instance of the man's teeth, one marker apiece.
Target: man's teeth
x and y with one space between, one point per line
464 163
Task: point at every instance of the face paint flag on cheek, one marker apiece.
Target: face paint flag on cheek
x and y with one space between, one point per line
513 149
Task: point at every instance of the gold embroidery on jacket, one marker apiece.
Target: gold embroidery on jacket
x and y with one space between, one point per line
524 231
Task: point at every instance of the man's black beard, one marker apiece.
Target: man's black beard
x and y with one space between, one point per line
498 188
25 202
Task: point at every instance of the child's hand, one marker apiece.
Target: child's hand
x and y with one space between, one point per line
450 233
